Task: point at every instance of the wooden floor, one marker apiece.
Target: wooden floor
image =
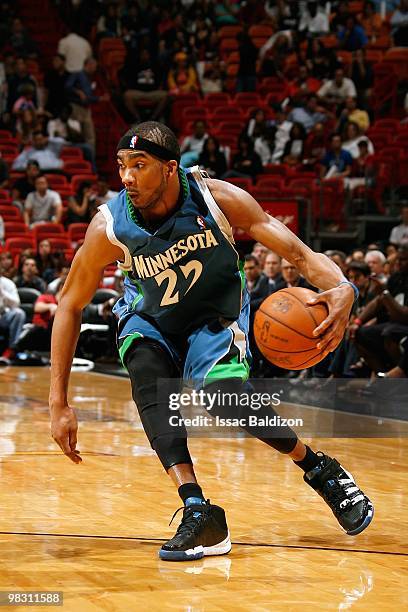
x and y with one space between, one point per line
93 530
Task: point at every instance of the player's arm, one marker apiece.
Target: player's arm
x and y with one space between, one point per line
244 212
79 288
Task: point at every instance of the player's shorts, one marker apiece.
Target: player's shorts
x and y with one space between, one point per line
212 352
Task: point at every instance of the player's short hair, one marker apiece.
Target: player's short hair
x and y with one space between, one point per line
158 133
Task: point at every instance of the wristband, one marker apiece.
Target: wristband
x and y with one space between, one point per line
356 291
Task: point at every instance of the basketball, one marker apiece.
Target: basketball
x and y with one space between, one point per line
284 325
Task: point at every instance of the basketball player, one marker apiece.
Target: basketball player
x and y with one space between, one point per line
185 312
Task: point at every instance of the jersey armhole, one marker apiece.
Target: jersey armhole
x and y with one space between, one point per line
125 265
219 217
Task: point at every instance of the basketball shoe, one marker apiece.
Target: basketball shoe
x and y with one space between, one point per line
353 510
203 531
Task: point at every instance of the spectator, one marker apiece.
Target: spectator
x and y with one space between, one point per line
25 185
252 271
43 204
192 146
362 75
375 260
338 89
260 252
351 113
257 124
61 271
399 25
26 125
109 24
7 267
18 79
182 78
340 17
270 282
378 343
399 233
248 55
370 21
141 82
54 86
305 84
321 62
281 126
314 20
337 162
80 207
352 138
246 163
346 355
12 318
212 159
76 51
339 258
4 173
44 150
363 169
315 146
38 336
19 40
69 132
79 87
25 100
28 276
352 36
308 114
293 151
44 259
102 192
291 276
212 76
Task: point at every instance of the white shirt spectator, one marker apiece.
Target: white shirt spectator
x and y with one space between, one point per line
193 144
352 146
76 50
339 92
9 297
399 233
43 207
282 136
314 25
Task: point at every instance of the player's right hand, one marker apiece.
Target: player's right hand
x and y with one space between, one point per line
64 428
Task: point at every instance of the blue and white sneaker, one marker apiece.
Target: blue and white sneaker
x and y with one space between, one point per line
353 510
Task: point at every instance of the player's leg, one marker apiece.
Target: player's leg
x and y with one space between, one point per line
147 357
216 358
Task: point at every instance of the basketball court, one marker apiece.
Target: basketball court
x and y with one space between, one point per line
93 531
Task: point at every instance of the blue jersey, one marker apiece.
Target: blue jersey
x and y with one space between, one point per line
184 274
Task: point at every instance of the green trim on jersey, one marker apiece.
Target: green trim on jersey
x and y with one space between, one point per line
127 343
242 274
233 369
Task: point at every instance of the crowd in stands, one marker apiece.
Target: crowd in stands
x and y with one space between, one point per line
301 100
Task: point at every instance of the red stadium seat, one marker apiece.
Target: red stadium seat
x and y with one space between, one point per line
15 228
59 243
78 167
212 100
19 243
46 230
77 179
77 231
272 182
10 213
56 180
229 31
71 153
230 127
227 113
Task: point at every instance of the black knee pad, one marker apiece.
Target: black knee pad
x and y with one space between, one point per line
147 362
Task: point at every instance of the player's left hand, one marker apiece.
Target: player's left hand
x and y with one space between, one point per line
339 302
